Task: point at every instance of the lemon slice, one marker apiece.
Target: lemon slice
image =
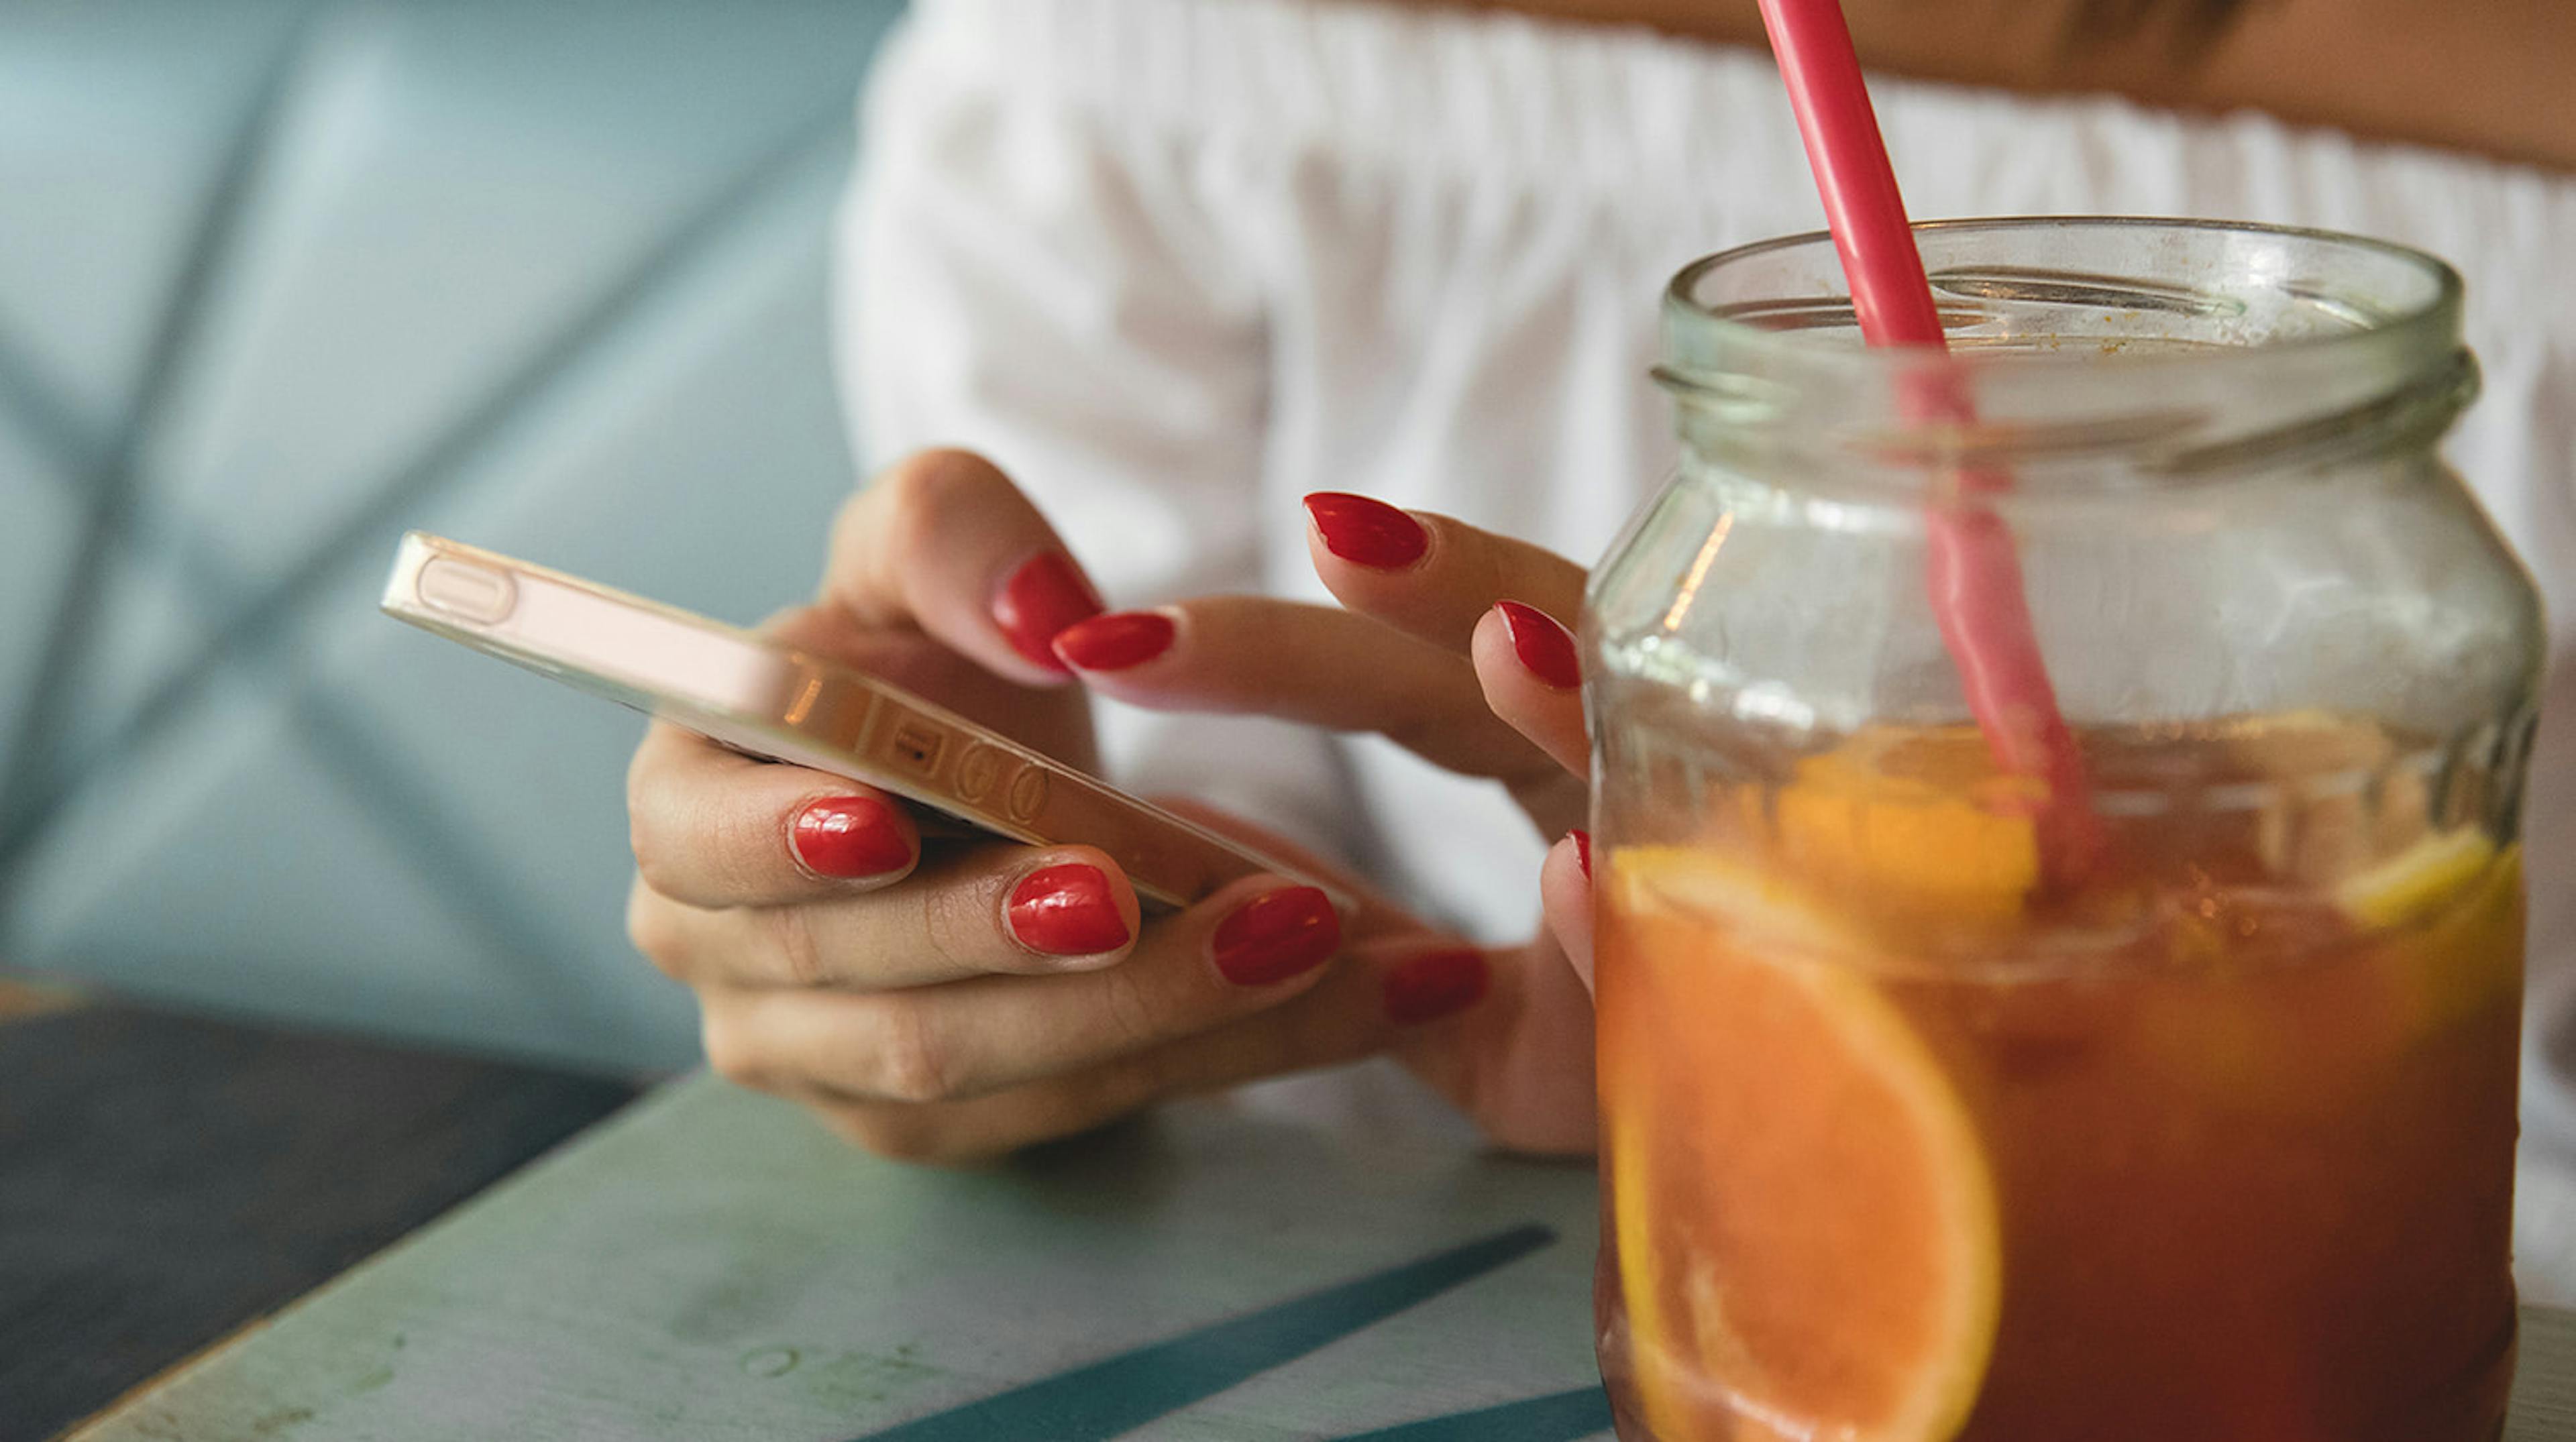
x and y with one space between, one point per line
2449 910
2420 881
1735 896
1806 1227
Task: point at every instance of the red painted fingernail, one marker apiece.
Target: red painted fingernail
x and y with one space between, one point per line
1582 850
849 836
1044 596
1116 641
1366 532
1545 647
1067 910
1434 985
1276 935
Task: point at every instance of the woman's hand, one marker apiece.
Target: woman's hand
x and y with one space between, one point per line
946 1000
1452 642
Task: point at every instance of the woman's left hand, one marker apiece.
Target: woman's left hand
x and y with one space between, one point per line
1452 642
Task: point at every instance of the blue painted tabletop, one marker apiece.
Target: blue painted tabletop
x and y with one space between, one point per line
711 1265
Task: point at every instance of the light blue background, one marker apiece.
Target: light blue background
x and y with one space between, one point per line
279 280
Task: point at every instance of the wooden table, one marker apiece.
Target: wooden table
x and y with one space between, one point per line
712 1266
165 1179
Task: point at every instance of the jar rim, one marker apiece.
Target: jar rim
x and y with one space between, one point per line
2431 322
2096 350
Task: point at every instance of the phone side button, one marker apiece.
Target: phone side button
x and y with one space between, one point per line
466 591
1028 794
979 771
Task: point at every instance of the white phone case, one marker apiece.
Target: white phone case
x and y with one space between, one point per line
772 700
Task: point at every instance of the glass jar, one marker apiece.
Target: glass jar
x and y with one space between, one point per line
1909 1133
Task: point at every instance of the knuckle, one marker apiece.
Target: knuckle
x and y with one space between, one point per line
643 835
747 847
912 491
950 919
931 479
798 950
726 849
1128 1000
912 1062
648 818
731 1054
653 928
641 772
897 514
653 864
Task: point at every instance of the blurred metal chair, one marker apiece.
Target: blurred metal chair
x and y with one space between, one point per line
279 280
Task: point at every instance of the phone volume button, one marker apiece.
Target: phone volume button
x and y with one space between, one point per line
979 771
1028 794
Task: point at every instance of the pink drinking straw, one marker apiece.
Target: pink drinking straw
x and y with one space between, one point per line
1973 575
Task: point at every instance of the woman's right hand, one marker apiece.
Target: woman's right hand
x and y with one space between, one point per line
941 999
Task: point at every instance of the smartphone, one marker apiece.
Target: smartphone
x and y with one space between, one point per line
776 702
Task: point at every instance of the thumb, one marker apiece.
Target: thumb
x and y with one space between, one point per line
1565 889
943 542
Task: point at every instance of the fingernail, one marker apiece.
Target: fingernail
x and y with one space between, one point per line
1067 910
1276 935
1044 596
849 836
1366 532
1582 850
1545 647
1434 985
1116 641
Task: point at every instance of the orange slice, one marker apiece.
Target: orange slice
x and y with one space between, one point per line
1912 826
1804 1219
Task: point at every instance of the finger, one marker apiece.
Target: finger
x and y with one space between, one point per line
1526 662
943 541
1428 575
714 828
1565 889
986 910
1370 913
1319 665
1254 944
1342 1018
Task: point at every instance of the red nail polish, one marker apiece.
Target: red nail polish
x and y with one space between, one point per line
1276 935
1116 641
850 836
1545 647
1582 850
1045 595
1434 985
1366 532
1067 910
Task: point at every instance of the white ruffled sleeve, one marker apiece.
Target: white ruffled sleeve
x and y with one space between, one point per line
1016 278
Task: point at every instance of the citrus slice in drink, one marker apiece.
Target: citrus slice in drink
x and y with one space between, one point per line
2420 881
1917 828
1804 1219
2452 907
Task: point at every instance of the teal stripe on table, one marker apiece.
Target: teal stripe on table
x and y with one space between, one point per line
1136 1387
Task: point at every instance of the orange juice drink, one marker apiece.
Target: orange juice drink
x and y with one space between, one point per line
1899 1148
